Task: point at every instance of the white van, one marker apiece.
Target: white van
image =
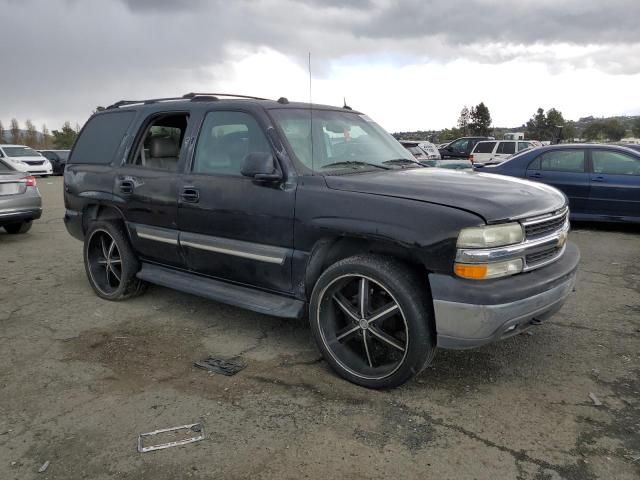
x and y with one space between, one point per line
25 159
496 151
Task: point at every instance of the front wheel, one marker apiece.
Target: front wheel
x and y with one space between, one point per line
110 262
372 320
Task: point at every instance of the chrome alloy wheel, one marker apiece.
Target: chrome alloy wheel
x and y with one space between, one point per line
104 262
362 326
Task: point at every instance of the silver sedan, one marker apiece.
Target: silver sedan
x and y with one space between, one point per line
20 201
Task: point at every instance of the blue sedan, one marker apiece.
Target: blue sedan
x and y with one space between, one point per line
602 182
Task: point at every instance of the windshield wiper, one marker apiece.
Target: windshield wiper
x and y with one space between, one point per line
355 163
402 161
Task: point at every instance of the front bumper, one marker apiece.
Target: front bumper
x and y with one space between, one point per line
471 313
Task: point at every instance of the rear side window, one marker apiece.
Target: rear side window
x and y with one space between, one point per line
484 147
614 163
523 145
507 147
101 137
563 161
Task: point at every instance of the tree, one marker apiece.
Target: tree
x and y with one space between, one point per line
636 127
480 123
64 138
594 131
463 120
547 126
614 130
46 137
31 135
1 133
570 132
16 135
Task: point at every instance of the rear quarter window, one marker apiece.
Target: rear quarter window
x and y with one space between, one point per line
484 147
100 138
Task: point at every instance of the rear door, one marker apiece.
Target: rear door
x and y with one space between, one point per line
147 185
566 170
231 226
483 152
615 184
504 150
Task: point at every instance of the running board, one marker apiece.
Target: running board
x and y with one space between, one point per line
236 295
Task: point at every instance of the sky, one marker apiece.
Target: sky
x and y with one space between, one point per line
409 64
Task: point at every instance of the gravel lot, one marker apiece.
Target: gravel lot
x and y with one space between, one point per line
81 377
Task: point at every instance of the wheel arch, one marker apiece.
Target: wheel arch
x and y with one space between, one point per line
98 211
330 250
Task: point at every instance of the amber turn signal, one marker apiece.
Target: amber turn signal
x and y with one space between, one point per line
475 272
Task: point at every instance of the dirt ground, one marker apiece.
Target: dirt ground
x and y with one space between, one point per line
80 378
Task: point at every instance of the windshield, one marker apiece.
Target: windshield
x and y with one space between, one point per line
341 140
63 154
20 152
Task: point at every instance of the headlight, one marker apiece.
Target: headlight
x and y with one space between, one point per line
490 236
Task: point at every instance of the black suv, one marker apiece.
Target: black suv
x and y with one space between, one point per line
289 210
461 147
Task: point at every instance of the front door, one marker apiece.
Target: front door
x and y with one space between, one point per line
148 187
615 184
565 170
231 226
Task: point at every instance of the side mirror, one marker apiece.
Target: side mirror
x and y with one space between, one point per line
260 166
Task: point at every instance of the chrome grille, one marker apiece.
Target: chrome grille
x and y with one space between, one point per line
534 259
541 226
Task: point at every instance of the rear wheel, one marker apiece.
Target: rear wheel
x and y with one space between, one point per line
372 320
111 263
15 228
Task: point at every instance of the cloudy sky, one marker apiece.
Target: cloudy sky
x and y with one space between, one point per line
410 64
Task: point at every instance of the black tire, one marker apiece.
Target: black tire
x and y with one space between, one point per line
16 228
111 270
404 337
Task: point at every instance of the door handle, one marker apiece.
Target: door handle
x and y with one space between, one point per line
190 194
536 175
599 178
126 187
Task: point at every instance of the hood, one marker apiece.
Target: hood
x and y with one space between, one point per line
31 158
493 197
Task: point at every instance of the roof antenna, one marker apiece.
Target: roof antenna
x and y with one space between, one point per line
311 116
344 104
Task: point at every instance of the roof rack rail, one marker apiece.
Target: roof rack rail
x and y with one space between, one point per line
189 96
123 103
193 95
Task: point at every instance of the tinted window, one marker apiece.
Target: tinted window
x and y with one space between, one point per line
506 148
484 147
225 140
101 137
460 146
614 163
523 145
563 161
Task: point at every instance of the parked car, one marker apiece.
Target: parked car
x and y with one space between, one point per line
461 147
602 182
496 151
249 202
451 163
57 158
20 202
25 159
415 150
431 149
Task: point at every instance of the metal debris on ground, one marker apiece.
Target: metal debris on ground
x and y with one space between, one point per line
44 467
219 365
181 435
596 400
